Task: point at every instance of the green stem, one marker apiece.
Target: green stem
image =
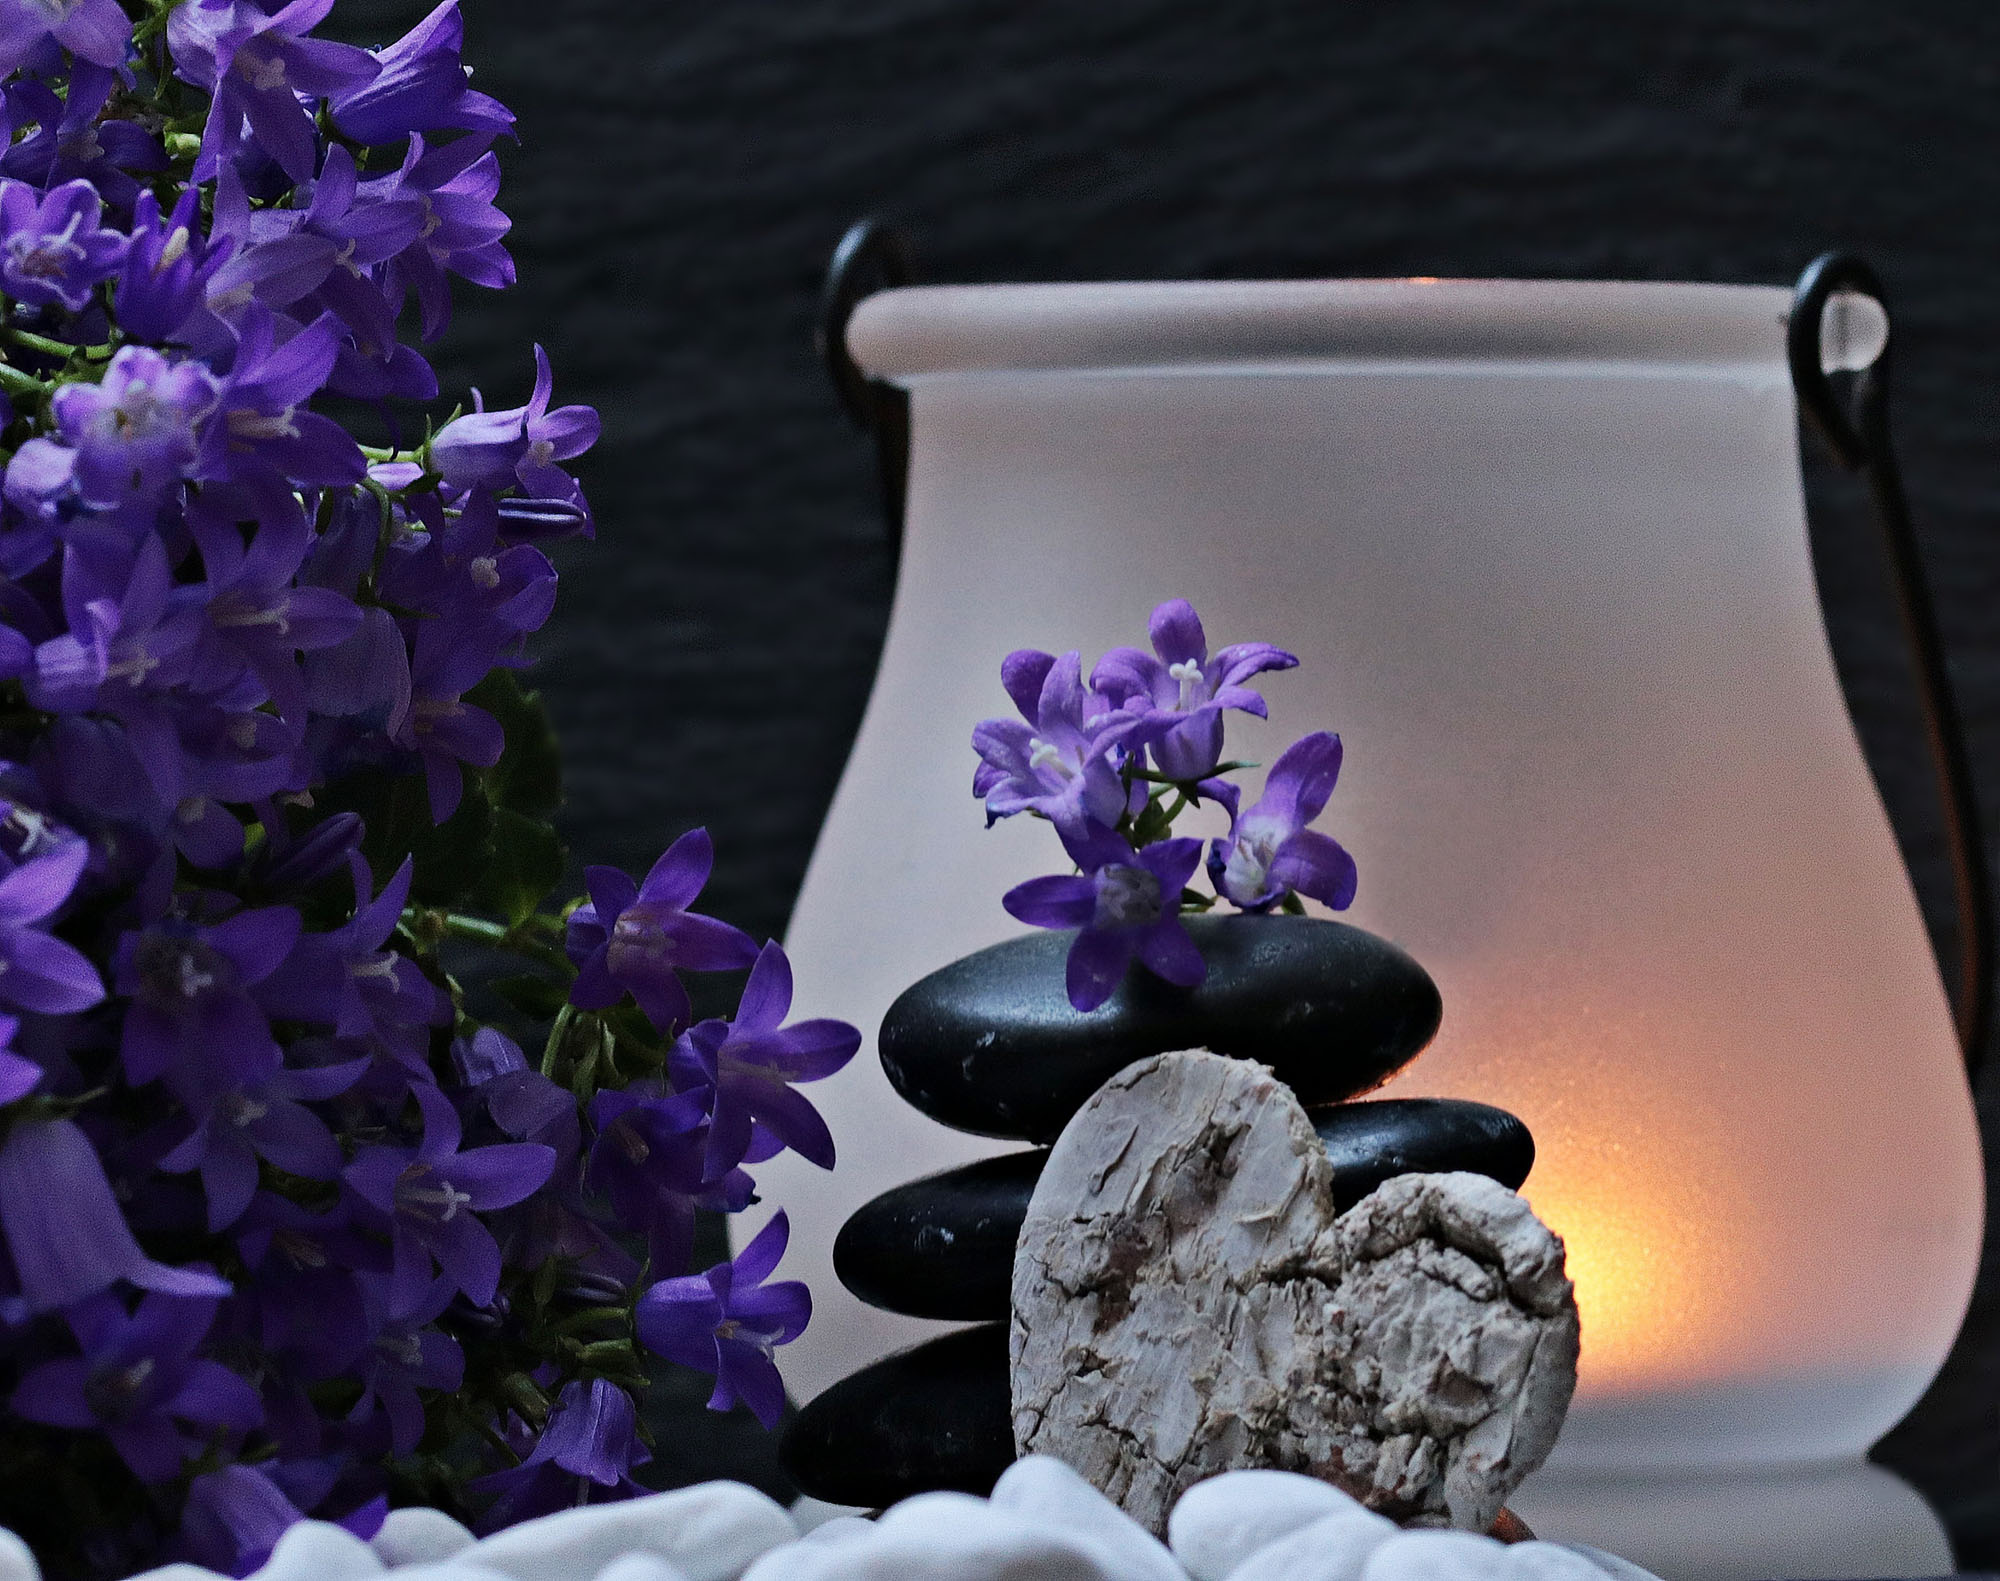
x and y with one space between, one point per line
15 382
482 930
28 340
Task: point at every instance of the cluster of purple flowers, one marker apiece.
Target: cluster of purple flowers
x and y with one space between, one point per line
1113 763
289 1223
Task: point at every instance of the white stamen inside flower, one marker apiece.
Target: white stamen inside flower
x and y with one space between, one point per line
1188 673
440 1202
405 1347
300 1250
1127 897
345 258
263 75
541 453
246 423
190 809
242 1111
1043 754
174 251
193 979
34 829
485 572
49 256
377 966
243 731
242 612
133 670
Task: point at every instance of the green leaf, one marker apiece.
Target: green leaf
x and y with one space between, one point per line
450 857
528 777
523 864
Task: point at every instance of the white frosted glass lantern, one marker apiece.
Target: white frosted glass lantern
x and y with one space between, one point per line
1541 551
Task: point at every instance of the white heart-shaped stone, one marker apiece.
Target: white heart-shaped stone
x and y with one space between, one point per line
1186 1303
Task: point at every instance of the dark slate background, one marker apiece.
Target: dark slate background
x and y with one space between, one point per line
685 169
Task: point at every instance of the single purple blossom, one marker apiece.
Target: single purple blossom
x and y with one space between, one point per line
749 1062
347 980
134 433
455 184
652 1158
452 654
234 1517
235 1124
727 1321
262 428
192 1014
54 250
164 279
93 30
1270 851
423 86
635 937
38 971
432 1196
64 1231
585 1455
406 1352
309 1307
518 445
72 142
1125 904
262 71
137 1378
1059 763
130 633
1179 692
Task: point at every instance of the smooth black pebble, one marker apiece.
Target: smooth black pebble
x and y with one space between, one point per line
943 1246
1368 1143
991 1044
936 1417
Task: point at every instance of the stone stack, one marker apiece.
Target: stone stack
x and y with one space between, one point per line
991 1045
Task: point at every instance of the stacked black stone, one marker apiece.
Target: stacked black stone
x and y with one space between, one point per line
991 1045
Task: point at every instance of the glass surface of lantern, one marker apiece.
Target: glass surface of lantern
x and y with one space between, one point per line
1541 548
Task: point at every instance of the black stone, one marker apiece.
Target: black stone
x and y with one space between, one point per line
943 1246
924 1419
1369 1143
990 1044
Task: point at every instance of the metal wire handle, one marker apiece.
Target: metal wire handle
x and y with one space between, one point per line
871 257
1855 427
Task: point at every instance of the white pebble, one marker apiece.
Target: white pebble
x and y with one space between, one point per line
1332 1548
449 1570
1616 1568
1538 1561
955 1537
17 1559
319 1551
1435 1556
710 1532
640 1567
841 1529
1042 1490
178 1571
809 1514
1219 1522
418 1536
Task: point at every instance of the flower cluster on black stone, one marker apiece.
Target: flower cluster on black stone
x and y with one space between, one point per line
291 1223
1114 763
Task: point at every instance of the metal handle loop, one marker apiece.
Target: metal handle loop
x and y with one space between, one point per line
1855 427
873 256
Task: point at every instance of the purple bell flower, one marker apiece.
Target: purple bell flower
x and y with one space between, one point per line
635 937
54 250
262 428
64 1231
193 1015
432 1196
1180 692
748 1064
262 70
137 1377
1270 851
37 971
235 1125
74 141
652 1158
1059 764
456 185
406 1352
727 1321
346 980
130 632
234 1517
521 444
1125 904
134 433
422 87
164 280
585 1455
93 30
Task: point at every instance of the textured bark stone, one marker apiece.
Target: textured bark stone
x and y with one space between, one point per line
1186 1302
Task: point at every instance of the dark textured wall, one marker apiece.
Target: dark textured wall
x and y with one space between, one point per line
685 169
